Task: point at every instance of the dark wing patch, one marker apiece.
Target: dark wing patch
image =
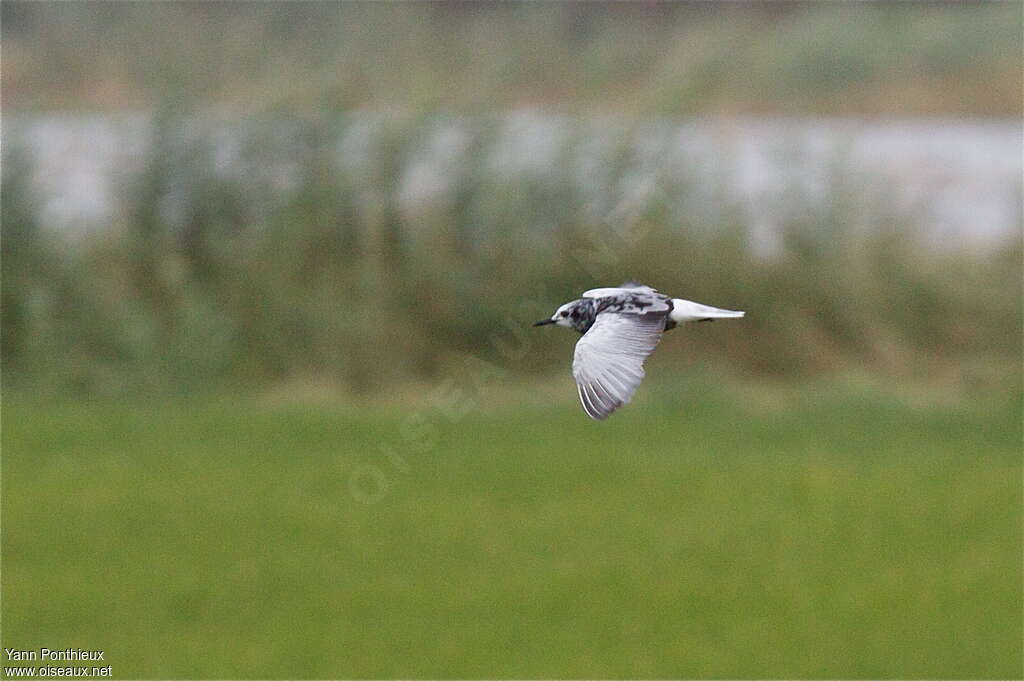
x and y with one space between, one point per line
635 303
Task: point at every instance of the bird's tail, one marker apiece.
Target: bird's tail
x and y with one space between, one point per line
689 311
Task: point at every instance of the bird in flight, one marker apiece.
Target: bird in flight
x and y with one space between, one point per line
621 327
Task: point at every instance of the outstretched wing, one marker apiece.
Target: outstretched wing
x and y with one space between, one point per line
608 364
629 287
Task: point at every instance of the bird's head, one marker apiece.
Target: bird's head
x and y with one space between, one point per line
567 315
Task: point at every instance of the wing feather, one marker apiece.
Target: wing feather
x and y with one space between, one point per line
618 291
626 287
609 358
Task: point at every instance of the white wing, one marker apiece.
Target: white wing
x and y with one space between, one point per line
617 291
609 361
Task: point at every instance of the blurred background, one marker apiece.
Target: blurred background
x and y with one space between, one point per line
272 406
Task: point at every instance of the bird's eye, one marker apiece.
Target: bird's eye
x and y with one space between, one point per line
564 313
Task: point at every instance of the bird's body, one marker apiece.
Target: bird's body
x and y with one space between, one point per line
621 327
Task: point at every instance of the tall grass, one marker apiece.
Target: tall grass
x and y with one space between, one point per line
371 250
656 58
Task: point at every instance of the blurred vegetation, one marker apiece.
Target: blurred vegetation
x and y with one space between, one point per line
670 58
327 201
302 256
305 257
848 536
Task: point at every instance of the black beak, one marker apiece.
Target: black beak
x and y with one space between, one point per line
545 321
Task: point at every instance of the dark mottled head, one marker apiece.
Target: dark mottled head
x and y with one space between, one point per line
577 314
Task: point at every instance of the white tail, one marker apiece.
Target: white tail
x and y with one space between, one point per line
689 311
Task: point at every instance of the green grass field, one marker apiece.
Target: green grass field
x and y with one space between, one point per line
693 536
